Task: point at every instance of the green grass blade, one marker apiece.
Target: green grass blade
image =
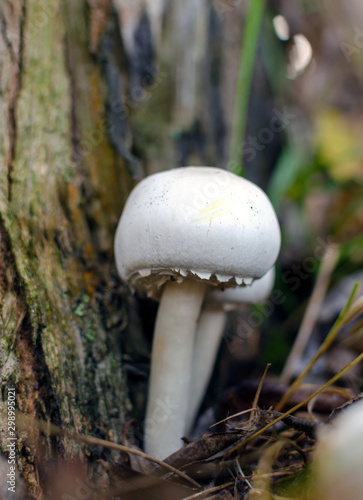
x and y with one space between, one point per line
245 74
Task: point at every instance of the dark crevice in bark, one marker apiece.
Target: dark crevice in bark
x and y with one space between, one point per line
142 62
14 92
4 34
111 59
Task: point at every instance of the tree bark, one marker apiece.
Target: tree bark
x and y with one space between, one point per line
62 187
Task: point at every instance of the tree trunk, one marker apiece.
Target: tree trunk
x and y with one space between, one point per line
62 188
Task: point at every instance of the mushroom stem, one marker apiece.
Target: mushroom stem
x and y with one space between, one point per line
171 361
208 337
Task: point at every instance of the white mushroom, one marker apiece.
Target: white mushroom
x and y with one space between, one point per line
182 230
338 462
210 330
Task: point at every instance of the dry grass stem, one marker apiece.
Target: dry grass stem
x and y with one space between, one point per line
348 311
312 311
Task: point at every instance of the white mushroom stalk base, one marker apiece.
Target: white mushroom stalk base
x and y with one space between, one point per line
207 340
170 376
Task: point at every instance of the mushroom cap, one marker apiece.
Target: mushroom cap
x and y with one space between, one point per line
233 298
201 223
